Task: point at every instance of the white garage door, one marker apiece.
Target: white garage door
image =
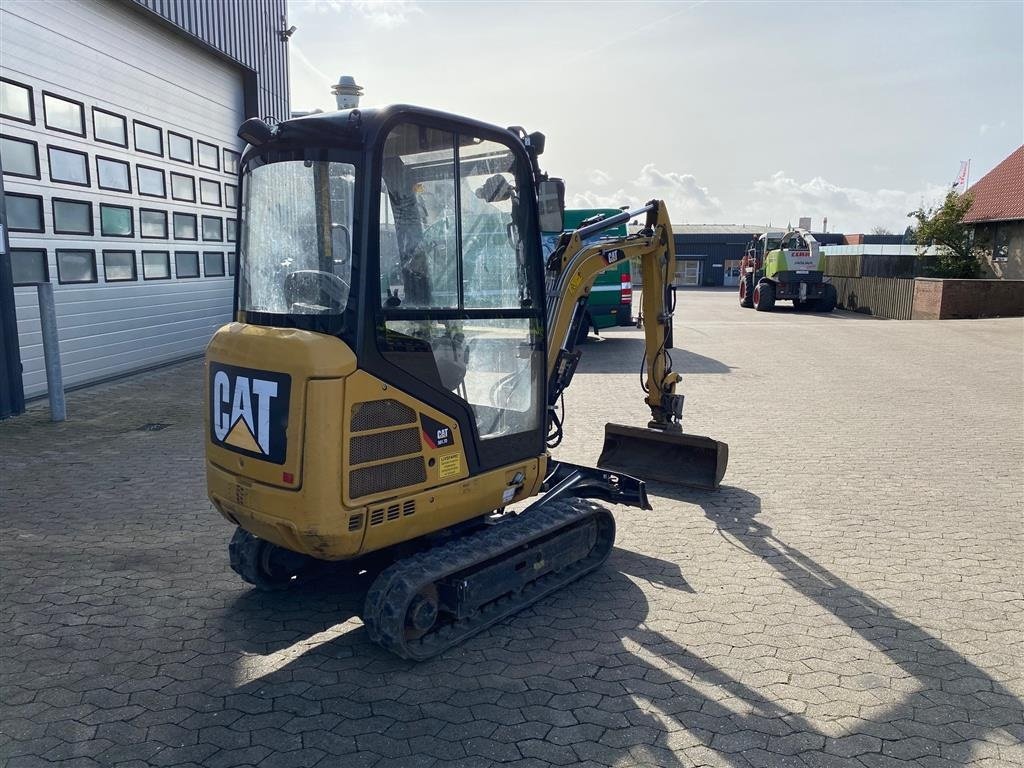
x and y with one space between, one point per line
119 154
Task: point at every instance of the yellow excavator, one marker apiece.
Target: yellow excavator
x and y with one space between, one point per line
391 386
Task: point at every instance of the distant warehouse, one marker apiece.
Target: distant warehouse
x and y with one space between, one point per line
120 159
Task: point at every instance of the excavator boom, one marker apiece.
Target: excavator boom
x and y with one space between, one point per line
661 451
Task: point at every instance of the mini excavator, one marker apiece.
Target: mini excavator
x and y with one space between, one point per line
391 386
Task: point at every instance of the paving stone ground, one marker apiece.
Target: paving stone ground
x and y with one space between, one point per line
852 597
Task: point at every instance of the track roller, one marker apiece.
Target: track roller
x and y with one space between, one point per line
424 604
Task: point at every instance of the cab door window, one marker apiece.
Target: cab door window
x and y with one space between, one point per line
454 289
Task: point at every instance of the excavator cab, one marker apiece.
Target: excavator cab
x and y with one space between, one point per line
389 385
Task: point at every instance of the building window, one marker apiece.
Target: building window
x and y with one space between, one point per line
230 195
213 228
231 161
24 212
19 157
72 217
186 264
179 148
29 267
63 115
68 166
156 265
232 263
183 187
113 174
213 264
109 128
151 181
116 221
119 266
76 266
148 138
153 223
209 156
232 230
16 101
209 192
1001 244
185 226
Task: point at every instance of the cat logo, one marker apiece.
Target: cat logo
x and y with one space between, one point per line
249 411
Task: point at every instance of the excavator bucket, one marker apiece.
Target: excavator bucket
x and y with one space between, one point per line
670 457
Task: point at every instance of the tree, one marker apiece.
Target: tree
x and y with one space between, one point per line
881 231
944 227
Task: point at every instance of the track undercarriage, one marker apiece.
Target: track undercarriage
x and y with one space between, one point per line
423 601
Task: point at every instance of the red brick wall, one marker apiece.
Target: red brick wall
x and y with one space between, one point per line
937 299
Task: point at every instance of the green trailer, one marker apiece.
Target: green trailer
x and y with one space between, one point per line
611 298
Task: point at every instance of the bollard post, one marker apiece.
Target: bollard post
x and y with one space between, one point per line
51 352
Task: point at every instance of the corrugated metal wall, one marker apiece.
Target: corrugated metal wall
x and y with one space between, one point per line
878 296
247 31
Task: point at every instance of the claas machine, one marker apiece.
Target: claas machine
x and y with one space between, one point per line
392 382
785 266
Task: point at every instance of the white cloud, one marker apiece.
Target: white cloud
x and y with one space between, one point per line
599 178
983 129
686 199
781 199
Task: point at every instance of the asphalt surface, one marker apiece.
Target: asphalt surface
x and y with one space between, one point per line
851 597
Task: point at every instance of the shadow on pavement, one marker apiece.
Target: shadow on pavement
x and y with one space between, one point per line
623 354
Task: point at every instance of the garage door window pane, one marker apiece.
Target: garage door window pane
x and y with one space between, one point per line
151 181
232 263
148 139
179 147
209 192
76 266
213 264
113 174
208 155
19 157
72 217
232 230
230 195
230 161
213 228
109 128
185 226
156 265
116 221
28 266
24 212
68 166
16 101
153 223
183 187
186 264
118 266
63 114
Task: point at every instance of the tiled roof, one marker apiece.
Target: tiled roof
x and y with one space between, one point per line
999 194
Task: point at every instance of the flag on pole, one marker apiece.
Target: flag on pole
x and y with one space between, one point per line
961 177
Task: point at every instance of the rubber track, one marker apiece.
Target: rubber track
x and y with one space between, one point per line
389 596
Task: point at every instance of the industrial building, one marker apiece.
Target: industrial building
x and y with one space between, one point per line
120 157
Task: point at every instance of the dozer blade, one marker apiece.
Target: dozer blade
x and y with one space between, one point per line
670 457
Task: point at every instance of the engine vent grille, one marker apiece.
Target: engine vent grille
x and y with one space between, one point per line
386 477
355 522
380 515
376 414
384 445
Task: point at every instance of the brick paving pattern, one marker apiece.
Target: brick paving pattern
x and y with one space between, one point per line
852 597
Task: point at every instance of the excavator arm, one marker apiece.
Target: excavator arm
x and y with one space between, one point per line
572 269
661 451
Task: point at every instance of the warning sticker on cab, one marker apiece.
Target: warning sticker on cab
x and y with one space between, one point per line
449 466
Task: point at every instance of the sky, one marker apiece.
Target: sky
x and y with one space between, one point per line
732 112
